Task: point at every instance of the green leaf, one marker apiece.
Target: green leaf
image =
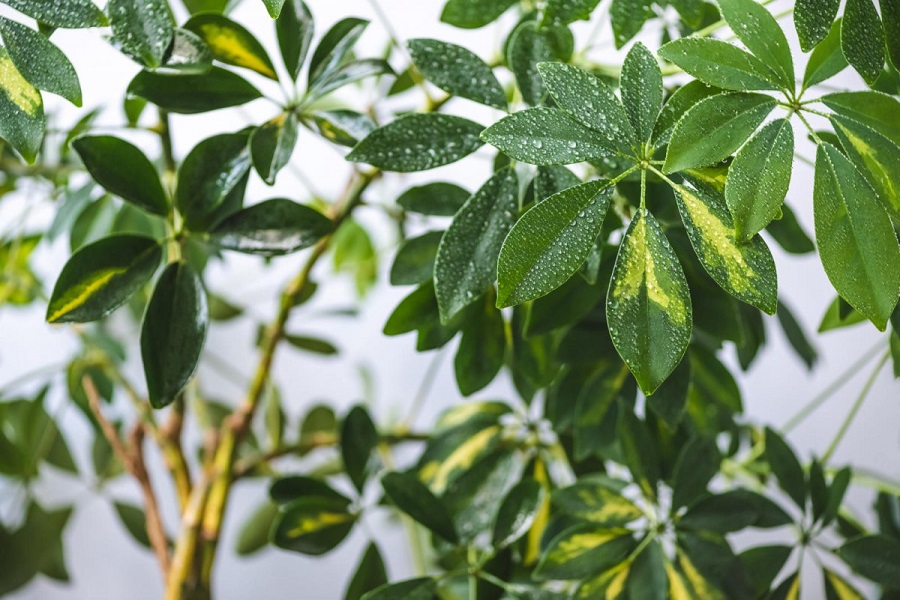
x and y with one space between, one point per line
759 177
813 19
412 497
890 16
517 513
583 550
839 484
678 103
272 144
101 277
642 90
528 47
274 7
418 142
789 234
720 64
312 344
720 513
215 169
827 60
313 525
254 533
592 102
173 333
876 157
345 75
123 170
22 118
415 311
457 71
422 588
295 28
875 557
188 54
552 180
647 576
135 522
437 199
857 242
796 336
231 43
862 39
344 127
598 502
669 400
550 242
545 136
838 588
472 14
876 110
649 306
76 13
294 487
763 564
40 61
370 573
414 263
141 29
359 438
272 228
639 451
609 583
466 263
194 93
697 463
628 17
714 128
334 47
744 270
482 347
758 30
786 467
563 12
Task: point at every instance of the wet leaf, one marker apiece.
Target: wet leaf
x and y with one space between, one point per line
457 71
720 64
194 93
472 14
813 20
211 173
528 47
40 61
642 90
438 199
758 30
142 29
272 144
628 18
22 118
231 43
862 39
72 14
827 60
271 228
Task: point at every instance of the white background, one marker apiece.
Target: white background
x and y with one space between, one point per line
103 561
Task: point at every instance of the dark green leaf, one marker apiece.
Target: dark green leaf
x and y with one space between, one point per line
272 144
412 497
763 564
437 199
827 60
188 54
466 263
344 127
40 61
890 16
528 46
759 177
857 243
295 28
142 29
22 118
874 557
122 169
642 90
346 74
312 344
553 180
876 157
423 588
714 128
76 13
758 30
786 467
370 573
101 277
550 242
545 136
334 47
789 234
190 94
294 487
135 522
862 39
876 110
414 262
678 103
457 71
215 169
173 332
697 463
583 550
718 63
836 491
813 20
359 438
669 400
472 14
628 17
563 12
639 450
796 336
721 513
313 525
418 142
649 308
482 347
517 513
231 43
647 577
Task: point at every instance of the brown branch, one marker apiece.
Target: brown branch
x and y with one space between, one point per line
133 460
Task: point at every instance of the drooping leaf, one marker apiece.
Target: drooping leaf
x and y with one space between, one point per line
482 347
272 144
418 142
274 7
744 270
123 170
813 20
649 305
231 43
40 61
862 39
472 14
173 332
457 71
215 169
466 263
759 177
142 29
550 242
359 437
796 336
714 128
194 93
101 277
720 64
857 243
271 228
545 136
758 30
22 118
412 497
